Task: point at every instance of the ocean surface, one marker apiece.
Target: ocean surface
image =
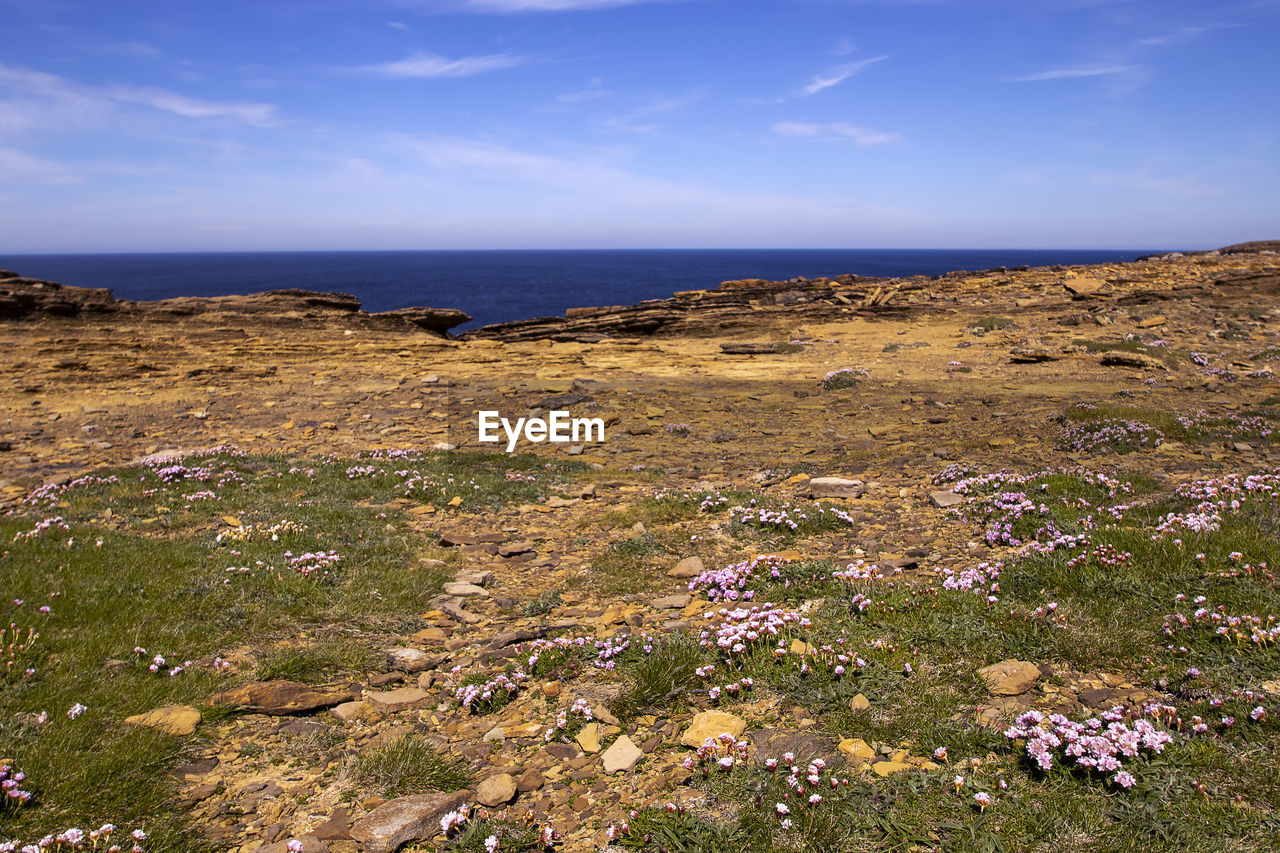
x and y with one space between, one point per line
493 286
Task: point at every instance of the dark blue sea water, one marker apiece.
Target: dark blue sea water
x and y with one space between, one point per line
493 286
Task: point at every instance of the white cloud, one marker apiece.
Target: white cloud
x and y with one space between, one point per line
19 167
428 65
38 99
397 25
836 130
1075 72
259 115
836 76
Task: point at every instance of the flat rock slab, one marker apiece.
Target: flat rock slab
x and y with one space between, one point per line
180 720
835 487
284 697
396 823
515 549
465 590
943 500
672 602
400 699
1010 677
712 724
621 755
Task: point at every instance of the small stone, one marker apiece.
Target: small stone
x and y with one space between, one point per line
411 660
859 703
430 636
1152 322
857 748
349 711
399 699
497 790
465 590
672 602
515 549
1010 677
885 768
945 499
711 724
589 737
551 689
621 755
178 720
687 568
529 780
835 487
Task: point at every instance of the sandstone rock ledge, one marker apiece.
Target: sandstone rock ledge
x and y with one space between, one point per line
30 298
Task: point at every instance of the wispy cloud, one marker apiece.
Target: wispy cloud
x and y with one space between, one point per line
58 98
259 115
838 75
640 118
836 130
398 25
19 167
428 65
1182 35
1076 72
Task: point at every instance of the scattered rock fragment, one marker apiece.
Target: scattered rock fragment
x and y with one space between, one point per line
621 755
179 720
1010 677
835 487
496 790
711 724
942 500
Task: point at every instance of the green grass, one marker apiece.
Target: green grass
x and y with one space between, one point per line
1171 356
407 765
329 659
661 681
983 325
142 566
1109 618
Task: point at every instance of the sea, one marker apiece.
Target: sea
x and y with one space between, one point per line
496 286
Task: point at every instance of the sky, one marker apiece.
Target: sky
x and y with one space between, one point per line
486 124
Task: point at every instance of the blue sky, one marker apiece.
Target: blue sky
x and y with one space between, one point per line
419 124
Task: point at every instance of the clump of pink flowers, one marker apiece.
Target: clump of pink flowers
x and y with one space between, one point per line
1099 744
721 753
476 697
